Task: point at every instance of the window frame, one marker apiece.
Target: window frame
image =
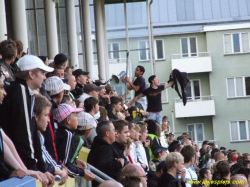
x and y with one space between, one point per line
189 49
147 50
111 51
163 49
238 128
195 131
192 90
235 90
232 46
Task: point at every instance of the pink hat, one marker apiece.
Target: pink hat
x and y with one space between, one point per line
63 111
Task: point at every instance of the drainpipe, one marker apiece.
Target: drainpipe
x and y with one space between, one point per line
151 37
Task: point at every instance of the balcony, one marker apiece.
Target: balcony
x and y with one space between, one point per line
195 108
193 62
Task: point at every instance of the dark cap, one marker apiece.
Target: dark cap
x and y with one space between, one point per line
236 167
160 149
224 152
79 72
151 78
171 133
60 59
91 87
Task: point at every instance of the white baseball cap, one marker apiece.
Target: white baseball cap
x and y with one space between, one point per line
29 62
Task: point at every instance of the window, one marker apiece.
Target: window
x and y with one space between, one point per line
238 87
145 53
164 93
239 130
159 49
236 43
193 90
113 49
189 47
196 132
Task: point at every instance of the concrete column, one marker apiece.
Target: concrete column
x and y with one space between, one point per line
87 41
3 30
100 39
51 28
72 35
20 31
105 47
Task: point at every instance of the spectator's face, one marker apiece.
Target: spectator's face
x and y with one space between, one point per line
59 73
102 91
96 108
132 132
143 177
94 94
112 133
118 107
137 135
144 136
2 91
248 158
156 81
82 79
73 122
179 166
37 79
208 175
123 136
72 82
138 72
43 120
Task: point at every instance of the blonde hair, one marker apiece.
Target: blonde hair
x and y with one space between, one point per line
137 128
142 125
173 157
41 103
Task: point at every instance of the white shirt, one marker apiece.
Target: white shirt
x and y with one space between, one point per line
190 176
141 154
83 97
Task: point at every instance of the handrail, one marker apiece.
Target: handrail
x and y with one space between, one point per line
99 173
198 54
193 99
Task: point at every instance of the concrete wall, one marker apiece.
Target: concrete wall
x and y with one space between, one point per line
227 109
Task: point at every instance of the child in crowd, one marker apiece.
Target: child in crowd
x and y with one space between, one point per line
65 115
41 109
68 100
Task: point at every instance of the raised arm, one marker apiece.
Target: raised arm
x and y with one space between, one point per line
135 99
131 86
169 84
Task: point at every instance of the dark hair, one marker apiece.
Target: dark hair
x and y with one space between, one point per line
202 172
188 152
152 126
89 103
43 58
103 113
175 145
151 141
77 102
222 148
215 150
66 98
114 100
108 88
8 49
131 109
142 69
130 181
205 142
19 46
119 125
223 169
164 117
60 59
102 127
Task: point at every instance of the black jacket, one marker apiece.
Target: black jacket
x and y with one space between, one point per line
13 122
120 151
102 156
167 180
77 91
64 146
49 134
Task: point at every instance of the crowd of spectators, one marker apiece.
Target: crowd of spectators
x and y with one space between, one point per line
49 111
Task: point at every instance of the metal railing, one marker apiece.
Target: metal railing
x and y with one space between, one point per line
195 98
114 61
99 177
190 55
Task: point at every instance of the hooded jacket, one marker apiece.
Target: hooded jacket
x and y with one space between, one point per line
167 180
103 156
12 119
